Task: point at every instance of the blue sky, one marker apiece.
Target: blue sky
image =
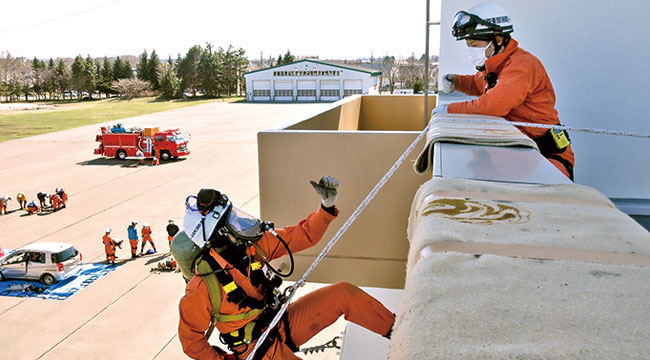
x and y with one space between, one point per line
330 29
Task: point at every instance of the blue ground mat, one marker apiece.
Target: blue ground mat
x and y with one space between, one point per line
61 290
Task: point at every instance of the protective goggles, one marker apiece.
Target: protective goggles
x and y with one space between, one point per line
465 25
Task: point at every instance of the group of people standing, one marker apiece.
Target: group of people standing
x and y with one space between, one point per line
57 200
110 243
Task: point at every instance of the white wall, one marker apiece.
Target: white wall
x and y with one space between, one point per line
597 54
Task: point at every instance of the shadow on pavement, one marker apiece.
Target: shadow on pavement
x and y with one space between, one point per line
128 163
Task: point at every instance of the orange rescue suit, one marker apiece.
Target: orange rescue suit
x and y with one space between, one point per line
109 246
307 316
523 93
146 234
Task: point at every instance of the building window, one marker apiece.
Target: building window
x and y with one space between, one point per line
349 92
261 93
307 92
330 92
283 93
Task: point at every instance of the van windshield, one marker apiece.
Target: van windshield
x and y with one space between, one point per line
64 255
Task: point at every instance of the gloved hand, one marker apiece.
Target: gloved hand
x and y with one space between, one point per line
326 188
440 109
448 83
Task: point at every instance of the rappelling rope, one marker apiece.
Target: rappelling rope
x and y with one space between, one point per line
336 238
546 126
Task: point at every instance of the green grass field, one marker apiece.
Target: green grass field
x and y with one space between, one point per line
67 115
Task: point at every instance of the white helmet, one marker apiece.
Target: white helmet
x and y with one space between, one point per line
481 22
59 189
145 224
133 222
108 230
171 221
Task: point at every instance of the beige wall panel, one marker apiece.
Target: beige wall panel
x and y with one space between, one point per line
394 112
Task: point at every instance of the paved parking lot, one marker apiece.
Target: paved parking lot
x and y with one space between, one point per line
131 313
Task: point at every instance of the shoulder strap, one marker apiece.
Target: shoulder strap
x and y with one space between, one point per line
214 290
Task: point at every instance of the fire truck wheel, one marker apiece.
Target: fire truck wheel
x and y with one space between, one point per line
120 155
164 156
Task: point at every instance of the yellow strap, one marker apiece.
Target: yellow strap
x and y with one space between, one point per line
235 333
256 266
248 332
237 317
213 286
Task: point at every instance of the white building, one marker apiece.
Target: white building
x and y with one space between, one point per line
310 80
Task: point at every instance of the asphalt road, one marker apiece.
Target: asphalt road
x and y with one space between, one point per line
130 313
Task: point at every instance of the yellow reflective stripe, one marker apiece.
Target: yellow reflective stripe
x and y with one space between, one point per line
235 333
230 287
237 317
256 266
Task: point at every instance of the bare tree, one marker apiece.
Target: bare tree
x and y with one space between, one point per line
389 71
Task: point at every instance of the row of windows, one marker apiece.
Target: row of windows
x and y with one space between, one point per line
349 92
330 92
260 93
284 92
307 92
307 73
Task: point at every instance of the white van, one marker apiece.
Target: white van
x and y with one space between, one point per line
48 262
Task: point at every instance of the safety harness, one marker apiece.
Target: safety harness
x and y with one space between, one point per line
212 267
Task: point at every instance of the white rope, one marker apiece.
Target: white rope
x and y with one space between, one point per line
546 126
336 238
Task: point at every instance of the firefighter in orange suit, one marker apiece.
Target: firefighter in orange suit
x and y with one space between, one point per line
109 247
510 82
56 202
304 318
146 236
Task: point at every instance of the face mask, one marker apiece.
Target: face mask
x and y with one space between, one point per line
477 55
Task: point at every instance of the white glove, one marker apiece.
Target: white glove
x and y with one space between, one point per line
448 83
326 188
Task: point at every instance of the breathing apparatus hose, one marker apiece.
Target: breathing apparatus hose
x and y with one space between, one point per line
286 246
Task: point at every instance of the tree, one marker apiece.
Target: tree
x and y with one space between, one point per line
170 85
418 85
131 88
63 77
209 71
50 78
188 69
288 57
105 78
78 70
280 60
153 70
389 71
143 67
37 75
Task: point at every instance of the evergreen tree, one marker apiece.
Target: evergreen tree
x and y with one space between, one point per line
143 67
90 76
280 60
38 68
117 69
78 76
288 57
127 70
209 71
50 78
188 69
63 79
153 70
105 77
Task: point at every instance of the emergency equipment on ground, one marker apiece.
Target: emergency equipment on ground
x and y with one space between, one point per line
168 144
236 290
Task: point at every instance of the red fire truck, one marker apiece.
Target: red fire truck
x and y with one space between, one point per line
121 143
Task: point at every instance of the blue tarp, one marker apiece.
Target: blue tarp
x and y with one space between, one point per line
63 289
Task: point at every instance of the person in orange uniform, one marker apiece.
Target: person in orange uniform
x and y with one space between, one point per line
56 202
22 200
146 236
109 247
64 196
510 82
32 207
305 317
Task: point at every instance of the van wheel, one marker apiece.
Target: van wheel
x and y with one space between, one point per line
164 156
120 155
48 279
